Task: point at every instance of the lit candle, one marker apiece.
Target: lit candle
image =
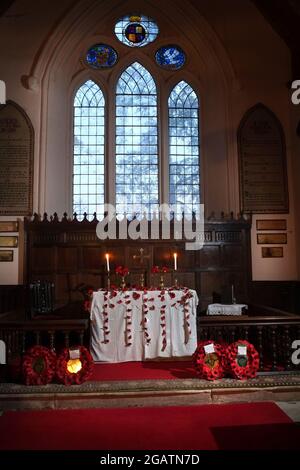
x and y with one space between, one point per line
175 261
107 261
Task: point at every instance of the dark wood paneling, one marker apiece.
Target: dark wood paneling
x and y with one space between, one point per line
11 297
284 295
70 254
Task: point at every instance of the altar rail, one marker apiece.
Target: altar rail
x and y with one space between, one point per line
19 335
271 331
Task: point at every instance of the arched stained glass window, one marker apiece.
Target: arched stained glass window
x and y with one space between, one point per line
184 171
136 141
88 167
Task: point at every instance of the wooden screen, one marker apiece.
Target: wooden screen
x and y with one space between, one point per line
68 253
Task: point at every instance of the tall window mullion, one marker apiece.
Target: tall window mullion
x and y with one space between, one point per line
184 169
136 141
88 150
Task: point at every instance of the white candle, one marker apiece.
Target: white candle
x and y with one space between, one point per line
107 261
175 261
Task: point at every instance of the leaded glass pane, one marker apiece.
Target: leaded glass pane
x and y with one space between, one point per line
136 141
170 57
88 165
184 184
136 30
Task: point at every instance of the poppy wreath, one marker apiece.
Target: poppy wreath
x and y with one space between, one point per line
38 367
69 374
242 366
209 366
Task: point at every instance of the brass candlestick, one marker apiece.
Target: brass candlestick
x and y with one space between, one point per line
123 284
142 280
108 280
161 285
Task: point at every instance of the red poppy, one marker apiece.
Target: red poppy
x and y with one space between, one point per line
209 366
38 366
83 374
242 366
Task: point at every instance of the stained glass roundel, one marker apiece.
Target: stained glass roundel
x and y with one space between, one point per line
101 56
170 57
136 30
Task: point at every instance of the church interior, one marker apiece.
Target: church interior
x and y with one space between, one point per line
149 237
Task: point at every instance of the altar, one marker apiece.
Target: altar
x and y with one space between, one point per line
136 325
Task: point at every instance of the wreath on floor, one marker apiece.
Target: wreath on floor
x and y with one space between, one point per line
209 360
70 369
39 364
243 363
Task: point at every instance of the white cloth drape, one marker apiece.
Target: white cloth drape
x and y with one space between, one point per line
117 349
223 309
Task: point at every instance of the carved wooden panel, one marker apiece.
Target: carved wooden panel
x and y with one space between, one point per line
210 256
69 254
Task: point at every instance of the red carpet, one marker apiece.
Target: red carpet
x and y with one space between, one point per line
209 427
156 370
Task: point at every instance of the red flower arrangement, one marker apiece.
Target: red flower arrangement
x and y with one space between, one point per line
160 269
242 366
209 365
88 302
122 271
38 366
70 372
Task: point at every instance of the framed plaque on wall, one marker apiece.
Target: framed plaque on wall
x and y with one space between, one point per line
262 163
16 160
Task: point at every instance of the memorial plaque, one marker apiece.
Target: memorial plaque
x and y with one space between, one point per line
10 241
6 255
16 161
262 163
8 226
271 238
272 252
268 224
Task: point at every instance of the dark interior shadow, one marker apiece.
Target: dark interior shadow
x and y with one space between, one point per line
276 436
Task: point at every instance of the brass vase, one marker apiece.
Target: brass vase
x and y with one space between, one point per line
123 283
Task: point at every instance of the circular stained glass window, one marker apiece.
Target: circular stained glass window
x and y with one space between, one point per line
101 56
136 30
170 57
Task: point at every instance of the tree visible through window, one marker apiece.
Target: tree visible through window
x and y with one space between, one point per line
135 149
88 167
184 170
136 141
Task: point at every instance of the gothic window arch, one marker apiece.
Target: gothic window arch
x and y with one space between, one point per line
126 154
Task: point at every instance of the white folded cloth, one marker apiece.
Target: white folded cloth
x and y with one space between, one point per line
221 309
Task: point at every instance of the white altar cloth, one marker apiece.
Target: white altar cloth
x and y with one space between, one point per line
170 324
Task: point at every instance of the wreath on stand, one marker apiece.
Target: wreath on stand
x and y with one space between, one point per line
242 360
74 366
209 360
38 366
